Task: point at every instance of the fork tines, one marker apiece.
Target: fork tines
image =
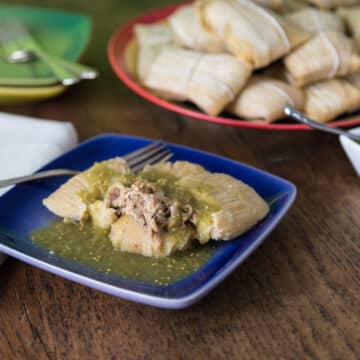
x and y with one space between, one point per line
148 155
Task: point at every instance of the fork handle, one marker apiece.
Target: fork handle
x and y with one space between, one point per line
84 72
39 175
66 76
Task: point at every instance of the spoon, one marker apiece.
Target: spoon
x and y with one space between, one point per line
301 118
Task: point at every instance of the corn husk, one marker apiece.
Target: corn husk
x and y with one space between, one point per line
264 98
329 99
150 39
315 20
211 81
328 4
189 33
67 201
351 17
250 32
236 207
239 207
327 55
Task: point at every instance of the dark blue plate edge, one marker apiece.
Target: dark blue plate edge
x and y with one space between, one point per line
162 302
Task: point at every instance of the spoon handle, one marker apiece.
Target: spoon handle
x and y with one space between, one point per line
300 117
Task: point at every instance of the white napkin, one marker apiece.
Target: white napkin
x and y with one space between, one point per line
27 143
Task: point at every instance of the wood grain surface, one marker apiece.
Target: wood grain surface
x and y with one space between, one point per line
297 297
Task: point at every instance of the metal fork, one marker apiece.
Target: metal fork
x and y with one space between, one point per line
19 46
137 160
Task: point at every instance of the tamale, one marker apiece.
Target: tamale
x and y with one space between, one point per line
224 208
264 98
70 200
211 81
166 207
328 99
316 20
234 206
250 32
325 56
150 39
189 33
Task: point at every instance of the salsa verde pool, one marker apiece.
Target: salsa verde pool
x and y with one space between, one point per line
91 246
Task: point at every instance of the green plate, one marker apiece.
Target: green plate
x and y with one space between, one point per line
59 33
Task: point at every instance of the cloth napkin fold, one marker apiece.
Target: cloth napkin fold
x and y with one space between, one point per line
26 144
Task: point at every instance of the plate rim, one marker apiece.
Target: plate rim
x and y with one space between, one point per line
154 300
125 31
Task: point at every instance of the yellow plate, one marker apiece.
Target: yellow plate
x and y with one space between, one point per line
11 95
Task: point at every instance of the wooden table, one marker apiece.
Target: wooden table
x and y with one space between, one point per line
297 297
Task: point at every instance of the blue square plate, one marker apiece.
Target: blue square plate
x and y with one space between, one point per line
22 212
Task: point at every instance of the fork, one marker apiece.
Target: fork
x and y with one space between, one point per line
137 160
19 46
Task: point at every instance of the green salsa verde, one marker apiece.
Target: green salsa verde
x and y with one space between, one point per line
91 246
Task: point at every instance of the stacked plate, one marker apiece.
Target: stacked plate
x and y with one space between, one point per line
60 35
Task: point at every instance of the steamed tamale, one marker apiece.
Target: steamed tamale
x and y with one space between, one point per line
150 39
211 81
328 99
316 20
264 98
250 32
166 207
325 56
189 32
71 199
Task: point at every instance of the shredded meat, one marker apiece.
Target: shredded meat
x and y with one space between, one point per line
148 205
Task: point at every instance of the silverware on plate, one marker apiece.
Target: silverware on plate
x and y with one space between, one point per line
18 46
301 118
137 160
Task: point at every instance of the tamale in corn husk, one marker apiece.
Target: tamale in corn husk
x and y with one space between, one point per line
189 33
70 199
211 81
328 99
316 20
226 207
328 4
264 98
160 210
351 16
250 32
325 56
150 39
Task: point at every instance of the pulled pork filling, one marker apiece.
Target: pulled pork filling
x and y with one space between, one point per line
149 206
